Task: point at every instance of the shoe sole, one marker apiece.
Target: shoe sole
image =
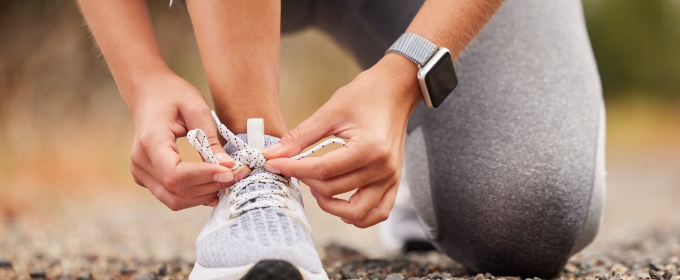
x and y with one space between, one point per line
265 269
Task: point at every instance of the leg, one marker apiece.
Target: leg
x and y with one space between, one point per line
508 175
258 230
240 53
513 155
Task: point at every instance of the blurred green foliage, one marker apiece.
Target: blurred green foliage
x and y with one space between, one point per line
637 47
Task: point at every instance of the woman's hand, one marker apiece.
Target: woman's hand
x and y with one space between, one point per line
372 112
164 107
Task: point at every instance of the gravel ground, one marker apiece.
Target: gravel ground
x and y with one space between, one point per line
98 235
655 255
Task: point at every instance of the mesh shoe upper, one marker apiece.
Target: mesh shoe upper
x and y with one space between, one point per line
260 233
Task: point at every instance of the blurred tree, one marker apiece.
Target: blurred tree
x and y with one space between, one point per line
637 46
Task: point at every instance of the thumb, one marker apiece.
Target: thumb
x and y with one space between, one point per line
304 135
203 120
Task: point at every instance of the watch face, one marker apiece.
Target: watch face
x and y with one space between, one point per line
441 80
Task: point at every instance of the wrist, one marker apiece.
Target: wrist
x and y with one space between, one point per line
401 76
143 84
138 77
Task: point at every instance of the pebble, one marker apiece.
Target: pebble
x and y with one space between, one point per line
38 274
617 276
5 264
144 276
653 266
165 270
127 271
435 276
395 276
85 276
570 268
655 275
667 275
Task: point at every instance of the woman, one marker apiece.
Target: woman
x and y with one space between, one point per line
507 175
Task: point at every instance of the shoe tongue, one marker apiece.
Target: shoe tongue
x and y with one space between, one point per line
256 133
266 139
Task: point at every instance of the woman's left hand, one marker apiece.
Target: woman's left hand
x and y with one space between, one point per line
372 112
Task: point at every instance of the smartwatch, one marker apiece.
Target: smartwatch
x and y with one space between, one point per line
436 75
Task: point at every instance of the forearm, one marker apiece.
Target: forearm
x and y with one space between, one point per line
124 34
446 23
453 24
239 43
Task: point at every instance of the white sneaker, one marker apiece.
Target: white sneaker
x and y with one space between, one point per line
258 229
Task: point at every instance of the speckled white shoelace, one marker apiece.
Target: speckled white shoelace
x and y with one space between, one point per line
254 159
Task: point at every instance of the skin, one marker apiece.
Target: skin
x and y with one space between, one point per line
387 93
163 105
240 54
239 44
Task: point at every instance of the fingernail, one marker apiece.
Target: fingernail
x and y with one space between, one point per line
314 193
346 221
271 149
222 157
271 169
223 177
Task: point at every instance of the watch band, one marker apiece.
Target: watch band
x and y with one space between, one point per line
414 47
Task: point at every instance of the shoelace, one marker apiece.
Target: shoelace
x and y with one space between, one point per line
254 159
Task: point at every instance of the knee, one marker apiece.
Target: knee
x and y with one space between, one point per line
510 256
518 212
512 250
530 232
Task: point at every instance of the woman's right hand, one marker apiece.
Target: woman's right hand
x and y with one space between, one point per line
165 107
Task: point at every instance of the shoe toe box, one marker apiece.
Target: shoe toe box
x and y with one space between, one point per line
259 234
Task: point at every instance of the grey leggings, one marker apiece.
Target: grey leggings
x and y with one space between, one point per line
508 174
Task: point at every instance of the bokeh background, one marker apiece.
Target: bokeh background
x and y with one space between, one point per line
65 133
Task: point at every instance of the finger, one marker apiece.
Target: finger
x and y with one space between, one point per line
213 203
188 174
176 203
241 172
358 205
168 168
212 188
347 182
354 155
381 212
202 119
161 156
194 190
199 190
170 199
310 131
136 172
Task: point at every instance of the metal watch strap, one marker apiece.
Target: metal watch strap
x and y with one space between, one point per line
414 47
